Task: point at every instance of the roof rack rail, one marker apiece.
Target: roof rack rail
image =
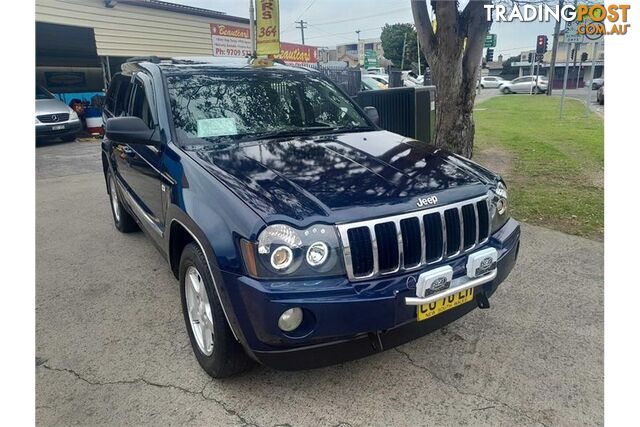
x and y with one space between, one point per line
152 58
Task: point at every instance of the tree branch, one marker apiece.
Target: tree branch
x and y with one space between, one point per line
423 26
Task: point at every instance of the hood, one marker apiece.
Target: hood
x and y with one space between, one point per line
339 178
51 106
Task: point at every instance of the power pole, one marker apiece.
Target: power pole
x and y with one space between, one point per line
252 28
302 27
358 33
554 52
404 49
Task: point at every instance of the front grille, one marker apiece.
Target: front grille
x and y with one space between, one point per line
54 118
409 241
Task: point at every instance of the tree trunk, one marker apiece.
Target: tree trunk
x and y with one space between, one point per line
454 53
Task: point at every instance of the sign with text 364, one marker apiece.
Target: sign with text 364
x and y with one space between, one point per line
267 27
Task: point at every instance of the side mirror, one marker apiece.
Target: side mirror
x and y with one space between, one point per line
372 113
130 130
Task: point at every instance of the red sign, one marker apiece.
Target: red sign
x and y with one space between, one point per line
291 52
230 31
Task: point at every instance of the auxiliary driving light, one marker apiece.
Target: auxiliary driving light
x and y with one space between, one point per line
317 254
290 319
281 258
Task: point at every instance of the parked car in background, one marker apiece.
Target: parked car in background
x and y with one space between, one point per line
54 119
376 70
383 79
302 235
369 83
491 82
596 83
525 84
600 96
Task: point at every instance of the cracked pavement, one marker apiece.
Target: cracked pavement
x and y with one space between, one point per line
111 345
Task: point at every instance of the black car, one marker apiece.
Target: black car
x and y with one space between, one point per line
301 233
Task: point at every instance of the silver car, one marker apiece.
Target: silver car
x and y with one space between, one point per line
54 119
491 82
525 84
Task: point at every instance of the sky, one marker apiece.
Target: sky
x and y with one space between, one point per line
332 22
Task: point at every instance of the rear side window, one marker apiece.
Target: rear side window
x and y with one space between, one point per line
110 102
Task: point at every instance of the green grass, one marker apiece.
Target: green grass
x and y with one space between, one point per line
554 168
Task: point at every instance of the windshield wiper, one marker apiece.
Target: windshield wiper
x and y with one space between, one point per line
303 131
346 129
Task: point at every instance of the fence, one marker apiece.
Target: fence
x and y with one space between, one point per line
349 79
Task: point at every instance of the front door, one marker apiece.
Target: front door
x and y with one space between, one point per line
139 168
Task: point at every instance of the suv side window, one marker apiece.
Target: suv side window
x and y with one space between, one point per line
110 101
122 97
140 105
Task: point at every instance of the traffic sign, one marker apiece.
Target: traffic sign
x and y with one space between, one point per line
370 59
490 40
571 33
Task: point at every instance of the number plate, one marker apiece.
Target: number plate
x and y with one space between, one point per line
57 127
427 311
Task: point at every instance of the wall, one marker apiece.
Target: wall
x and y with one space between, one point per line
127 30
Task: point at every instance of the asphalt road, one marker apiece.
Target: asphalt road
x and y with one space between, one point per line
111 345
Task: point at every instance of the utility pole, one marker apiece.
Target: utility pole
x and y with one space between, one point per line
419 65
566 75
404 49
358 33
554 52
252 28
303 25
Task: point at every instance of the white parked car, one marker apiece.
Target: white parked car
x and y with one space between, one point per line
525 84
491 82
384 79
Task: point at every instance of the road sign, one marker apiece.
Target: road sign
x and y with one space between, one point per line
571 33
370 59
539 57
491 40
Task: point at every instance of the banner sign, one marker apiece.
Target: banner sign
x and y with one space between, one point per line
267 27
298 54
230 40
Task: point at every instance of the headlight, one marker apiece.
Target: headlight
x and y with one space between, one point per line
498 206
73 115
284 251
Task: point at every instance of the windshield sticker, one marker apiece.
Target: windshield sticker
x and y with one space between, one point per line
220 126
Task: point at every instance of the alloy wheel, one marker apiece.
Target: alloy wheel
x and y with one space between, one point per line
199 310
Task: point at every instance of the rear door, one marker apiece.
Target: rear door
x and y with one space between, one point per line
140 166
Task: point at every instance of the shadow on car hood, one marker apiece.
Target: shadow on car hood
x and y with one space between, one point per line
343 176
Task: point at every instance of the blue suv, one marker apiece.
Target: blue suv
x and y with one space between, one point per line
301 233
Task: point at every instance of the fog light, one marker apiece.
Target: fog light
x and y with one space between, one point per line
281 258
290 319
317 254
501 206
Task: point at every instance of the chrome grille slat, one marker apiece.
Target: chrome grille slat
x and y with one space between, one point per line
420 216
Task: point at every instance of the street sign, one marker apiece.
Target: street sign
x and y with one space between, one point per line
571 33
370 59
539 57
267 27
491 40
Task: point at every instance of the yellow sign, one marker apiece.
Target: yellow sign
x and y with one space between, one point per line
427 311
267 27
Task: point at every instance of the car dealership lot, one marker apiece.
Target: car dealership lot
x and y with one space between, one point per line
112 346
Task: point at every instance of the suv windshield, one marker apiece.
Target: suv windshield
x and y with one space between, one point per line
253 104
42 93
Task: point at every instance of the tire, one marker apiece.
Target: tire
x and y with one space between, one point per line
538 90
219 354
124 222
482 86
507 91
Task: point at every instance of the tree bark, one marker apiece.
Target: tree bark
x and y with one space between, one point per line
454 66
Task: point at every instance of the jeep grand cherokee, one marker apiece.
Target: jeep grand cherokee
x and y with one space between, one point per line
301 233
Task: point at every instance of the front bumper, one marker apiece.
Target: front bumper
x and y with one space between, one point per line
52 131
344 320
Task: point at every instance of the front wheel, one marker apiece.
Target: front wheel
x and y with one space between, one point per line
506 91
213 343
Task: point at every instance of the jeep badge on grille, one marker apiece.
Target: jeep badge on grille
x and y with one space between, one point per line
427 201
